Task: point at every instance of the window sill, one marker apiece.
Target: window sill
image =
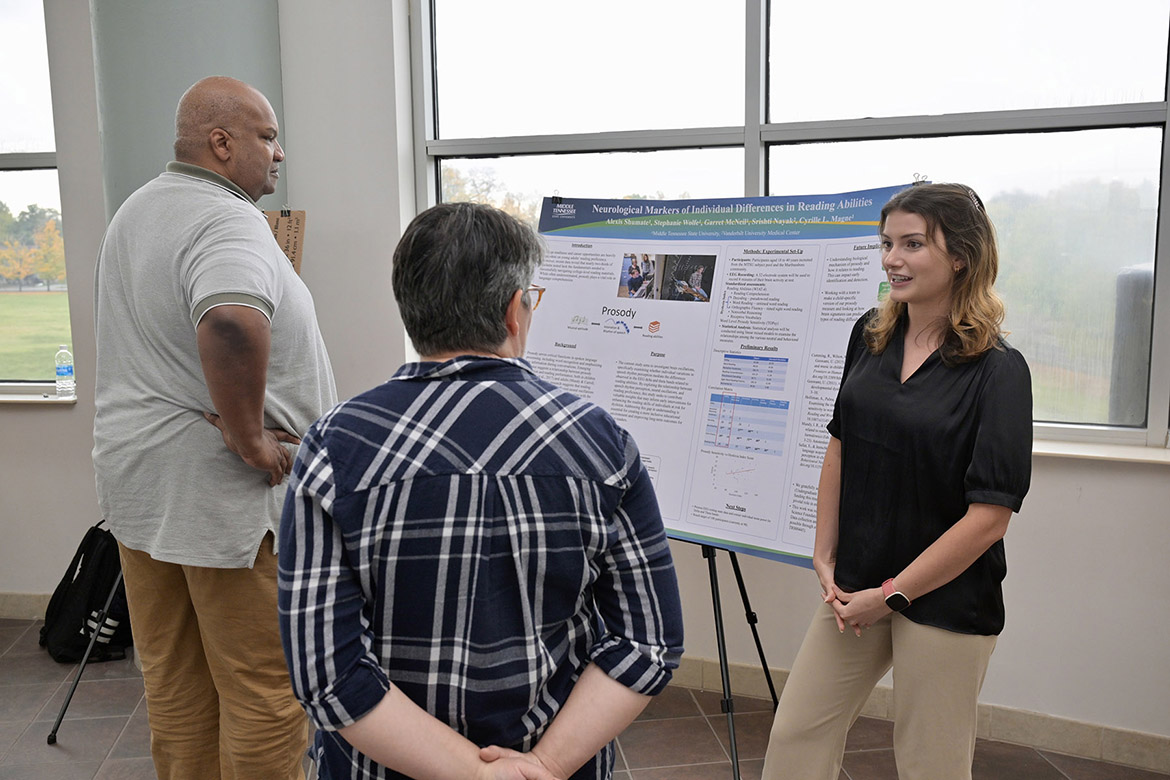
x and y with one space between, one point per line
1047 448
35 398
32 393
1120 453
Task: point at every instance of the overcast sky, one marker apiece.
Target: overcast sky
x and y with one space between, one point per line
643 64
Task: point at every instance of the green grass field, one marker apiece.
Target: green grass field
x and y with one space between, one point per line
32 326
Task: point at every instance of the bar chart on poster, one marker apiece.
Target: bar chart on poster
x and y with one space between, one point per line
714 331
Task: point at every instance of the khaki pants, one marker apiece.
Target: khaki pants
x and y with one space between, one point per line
218 696
937 678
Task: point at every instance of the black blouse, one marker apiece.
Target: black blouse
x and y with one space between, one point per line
915 455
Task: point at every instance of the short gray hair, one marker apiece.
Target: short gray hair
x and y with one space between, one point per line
456 269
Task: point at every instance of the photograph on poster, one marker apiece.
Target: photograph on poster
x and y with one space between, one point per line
688 277
640 278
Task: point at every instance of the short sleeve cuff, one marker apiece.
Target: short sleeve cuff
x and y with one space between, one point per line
995 497
230 299
632 667
350 698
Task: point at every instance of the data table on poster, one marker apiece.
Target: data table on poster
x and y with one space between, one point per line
754 372
737 422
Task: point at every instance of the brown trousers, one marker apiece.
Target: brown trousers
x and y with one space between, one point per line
218 696
937 678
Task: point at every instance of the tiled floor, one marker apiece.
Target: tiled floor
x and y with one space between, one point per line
680 736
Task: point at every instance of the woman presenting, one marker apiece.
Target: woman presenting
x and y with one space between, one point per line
929 454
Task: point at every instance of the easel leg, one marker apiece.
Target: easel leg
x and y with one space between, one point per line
726 704
98 623
751 619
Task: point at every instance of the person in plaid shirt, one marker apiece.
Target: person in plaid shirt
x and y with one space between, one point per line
475 580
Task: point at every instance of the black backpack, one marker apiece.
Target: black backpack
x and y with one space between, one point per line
78 600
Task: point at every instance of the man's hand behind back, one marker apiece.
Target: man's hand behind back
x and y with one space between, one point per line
268 454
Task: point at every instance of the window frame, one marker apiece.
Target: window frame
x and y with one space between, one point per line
31 391
755 137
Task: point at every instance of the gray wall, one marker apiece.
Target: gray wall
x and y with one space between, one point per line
147 52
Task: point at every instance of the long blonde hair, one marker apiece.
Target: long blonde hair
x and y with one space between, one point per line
955 215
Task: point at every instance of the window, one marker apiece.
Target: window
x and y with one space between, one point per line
626 66
939 58
518 184
669 100
1076 216
498 108
34 306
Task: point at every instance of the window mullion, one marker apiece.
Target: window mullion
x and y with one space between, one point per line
423 101
984 122
28 161
1158 415
755 96
618 141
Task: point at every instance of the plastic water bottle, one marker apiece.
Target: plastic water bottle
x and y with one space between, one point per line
66 386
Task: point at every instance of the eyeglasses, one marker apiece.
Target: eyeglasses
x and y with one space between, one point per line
535 288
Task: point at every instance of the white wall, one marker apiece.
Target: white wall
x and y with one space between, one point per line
1086 635
146 54
346 107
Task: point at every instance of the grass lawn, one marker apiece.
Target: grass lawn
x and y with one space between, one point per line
32 326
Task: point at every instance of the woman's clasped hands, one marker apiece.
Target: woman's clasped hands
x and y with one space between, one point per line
506 764
857 610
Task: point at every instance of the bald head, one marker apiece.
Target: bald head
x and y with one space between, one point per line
216 101
229 127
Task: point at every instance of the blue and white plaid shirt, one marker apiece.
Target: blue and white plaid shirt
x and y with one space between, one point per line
475 536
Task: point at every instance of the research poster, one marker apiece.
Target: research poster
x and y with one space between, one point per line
714 331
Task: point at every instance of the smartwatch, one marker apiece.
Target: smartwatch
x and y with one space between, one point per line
895 599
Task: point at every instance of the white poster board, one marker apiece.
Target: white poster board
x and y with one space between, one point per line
723 356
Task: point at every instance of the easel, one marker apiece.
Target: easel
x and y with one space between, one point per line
727 704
